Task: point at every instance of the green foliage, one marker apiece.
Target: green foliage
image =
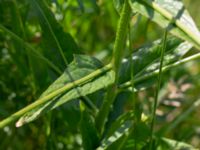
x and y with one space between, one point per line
82 75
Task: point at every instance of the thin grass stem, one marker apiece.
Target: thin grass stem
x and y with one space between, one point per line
157 89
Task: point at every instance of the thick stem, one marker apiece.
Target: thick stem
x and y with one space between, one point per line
118 53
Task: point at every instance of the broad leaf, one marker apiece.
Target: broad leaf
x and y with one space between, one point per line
169 14
80 67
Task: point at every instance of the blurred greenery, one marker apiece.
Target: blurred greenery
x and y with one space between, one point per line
82 27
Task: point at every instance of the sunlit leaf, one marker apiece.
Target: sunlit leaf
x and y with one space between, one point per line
169 14
166 144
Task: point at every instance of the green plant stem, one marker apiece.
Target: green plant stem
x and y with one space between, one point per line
158 88
118 53
29 47
164 69
122 28
178 23
48 98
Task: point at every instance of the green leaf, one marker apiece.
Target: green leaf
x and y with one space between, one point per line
119 122
115 140
121 134
146 60
169 58
80 67
61 46
169 14
166 144
145 56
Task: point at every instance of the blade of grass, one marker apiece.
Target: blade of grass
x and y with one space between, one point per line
48 98
158 88
29 47
37 3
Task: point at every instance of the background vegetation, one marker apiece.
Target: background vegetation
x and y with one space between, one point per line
38 39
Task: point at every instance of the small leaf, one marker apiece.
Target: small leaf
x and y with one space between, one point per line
80 67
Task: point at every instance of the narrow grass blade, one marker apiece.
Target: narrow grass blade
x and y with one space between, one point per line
157 89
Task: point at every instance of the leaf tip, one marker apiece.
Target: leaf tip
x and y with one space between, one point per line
18 124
